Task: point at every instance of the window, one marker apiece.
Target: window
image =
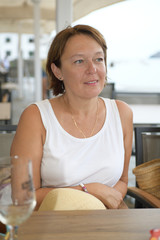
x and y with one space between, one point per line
7 40
31 53
31 40
8 53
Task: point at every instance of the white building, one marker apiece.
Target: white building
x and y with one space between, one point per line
9 43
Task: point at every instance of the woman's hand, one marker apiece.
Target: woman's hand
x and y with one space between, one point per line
110 197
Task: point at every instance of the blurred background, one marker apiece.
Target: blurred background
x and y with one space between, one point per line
131 30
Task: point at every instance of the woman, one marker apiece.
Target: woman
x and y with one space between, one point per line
77 137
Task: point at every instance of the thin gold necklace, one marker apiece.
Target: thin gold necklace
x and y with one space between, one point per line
76 125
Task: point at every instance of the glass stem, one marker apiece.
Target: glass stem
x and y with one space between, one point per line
11 233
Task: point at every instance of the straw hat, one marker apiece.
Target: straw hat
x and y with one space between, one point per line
70 199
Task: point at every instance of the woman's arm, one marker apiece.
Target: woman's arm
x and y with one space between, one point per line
126 116
29 140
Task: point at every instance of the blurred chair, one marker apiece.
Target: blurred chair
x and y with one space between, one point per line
5 112
141 133
5 104
147 147
150 145
7 133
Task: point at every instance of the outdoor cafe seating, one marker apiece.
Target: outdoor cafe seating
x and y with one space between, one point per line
100 222
147 151
6 87
143 199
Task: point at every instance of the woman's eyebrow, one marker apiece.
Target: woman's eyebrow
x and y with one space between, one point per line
82 55
99 53
77 55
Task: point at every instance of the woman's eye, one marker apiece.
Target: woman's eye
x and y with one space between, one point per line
99 59
78 61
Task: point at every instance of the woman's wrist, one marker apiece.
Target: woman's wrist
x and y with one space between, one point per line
83 187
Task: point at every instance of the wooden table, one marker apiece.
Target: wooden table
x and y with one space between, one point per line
131 224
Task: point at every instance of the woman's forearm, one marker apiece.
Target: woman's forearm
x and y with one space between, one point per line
111 197
42 192
121 187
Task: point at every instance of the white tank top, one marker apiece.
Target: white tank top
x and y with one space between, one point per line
68 161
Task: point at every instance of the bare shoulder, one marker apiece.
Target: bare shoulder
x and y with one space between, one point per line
124 109
126 116
31 112
30 134
30 119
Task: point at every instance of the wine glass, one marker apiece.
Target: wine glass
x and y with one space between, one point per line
17 196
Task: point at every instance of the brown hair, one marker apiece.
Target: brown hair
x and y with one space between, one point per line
57 48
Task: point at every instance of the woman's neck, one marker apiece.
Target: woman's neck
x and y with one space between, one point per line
79 106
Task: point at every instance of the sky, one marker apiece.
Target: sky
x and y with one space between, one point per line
131 28
132 32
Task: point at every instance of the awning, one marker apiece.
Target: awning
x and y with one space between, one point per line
17 15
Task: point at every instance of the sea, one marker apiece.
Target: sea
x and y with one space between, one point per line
135 75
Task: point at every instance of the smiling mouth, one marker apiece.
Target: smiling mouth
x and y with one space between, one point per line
91 82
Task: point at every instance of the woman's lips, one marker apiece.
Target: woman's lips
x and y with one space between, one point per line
91 82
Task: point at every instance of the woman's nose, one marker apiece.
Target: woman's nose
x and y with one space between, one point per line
91 67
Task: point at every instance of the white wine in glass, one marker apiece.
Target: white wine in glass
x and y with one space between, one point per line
17 195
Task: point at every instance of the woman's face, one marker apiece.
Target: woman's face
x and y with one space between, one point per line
83 67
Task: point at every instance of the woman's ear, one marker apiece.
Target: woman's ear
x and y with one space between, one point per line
56 71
